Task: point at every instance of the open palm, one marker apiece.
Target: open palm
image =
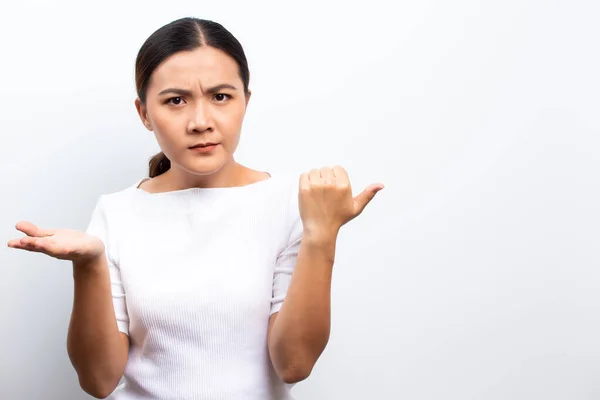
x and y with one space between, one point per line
63 244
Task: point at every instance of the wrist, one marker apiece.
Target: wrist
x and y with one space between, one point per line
320 236
320 245
90 265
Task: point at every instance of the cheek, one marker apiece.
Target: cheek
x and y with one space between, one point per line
166 126
230 123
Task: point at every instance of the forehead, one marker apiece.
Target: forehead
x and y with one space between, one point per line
204 66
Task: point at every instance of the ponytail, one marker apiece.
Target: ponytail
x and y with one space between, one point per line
159 164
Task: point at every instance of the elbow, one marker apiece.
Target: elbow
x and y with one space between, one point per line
294 378
295 373
296 366
96 392
97 388
294 361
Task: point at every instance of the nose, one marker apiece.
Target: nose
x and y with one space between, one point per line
201 119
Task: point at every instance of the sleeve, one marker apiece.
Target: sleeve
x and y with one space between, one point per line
98 226
286 260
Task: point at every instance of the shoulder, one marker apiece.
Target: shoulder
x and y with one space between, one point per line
287 183
119 199
285 188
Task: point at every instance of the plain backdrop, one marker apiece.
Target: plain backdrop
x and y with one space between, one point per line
473 275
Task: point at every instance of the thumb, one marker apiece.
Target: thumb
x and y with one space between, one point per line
33 230
364 198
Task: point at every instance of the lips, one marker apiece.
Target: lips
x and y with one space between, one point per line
204 148
200 145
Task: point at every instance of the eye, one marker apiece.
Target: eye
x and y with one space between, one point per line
221 97
175 101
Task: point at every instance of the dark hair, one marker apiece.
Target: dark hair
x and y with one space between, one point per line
184 34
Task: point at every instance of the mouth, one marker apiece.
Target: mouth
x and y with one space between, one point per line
207 147
203 145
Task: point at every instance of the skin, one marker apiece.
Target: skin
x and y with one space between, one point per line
208 105
197 113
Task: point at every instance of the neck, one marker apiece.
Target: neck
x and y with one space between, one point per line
231 174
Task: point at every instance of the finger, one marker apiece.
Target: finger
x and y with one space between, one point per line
32 230
31 241
328 176
42 244
19 246
15 243
341 175
314 176
341 178
364 198
26 243
304 182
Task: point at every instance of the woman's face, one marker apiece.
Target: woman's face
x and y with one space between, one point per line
196 98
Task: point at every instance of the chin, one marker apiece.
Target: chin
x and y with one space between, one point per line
205 167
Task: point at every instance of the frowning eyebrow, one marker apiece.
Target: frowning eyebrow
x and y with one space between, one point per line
184 92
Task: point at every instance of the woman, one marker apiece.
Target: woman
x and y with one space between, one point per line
180 279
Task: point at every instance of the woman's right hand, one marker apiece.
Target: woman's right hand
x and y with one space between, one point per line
63 244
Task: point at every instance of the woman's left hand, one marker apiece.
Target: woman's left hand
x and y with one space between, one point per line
326 202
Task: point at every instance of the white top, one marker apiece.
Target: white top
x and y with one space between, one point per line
195 274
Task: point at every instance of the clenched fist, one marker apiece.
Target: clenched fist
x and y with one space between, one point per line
326 202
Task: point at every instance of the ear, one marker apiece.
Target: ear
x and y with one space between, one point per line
143 113
248 97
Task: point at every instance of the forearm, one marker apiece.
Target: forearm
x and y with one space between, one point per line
95 345
301 330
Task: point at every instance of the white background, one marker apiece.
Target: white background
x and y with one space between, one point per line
473 275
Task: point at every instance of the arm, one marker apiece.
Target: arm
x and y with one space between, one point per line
299 332
96 347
